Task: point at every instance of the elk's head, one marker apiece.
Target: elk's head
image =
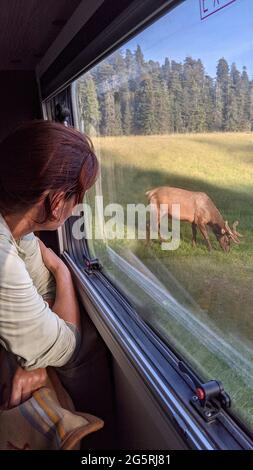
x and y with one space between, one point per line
227 235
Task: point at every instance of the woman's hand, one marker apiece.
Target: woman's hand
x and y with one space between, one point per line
24 383
50 259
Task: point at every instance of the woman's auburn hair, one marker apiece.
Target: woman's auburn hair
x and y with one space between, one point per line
41 156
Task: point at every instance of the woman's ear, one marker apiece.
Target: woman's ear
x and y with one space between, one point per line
58 202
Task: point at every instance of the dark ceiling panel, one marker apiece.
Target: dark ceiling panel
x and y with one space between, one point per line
28 28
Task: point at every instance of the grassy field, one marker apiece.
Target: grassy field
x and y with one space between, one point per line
221 284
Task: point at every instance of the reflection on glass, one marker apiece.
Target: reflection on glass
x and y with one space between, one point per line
174 108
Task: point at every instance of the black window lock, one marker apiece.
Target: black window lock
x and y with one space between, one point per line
209 397
92 265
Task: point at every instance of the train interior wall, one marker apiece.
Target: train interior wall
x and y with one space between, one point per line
19 99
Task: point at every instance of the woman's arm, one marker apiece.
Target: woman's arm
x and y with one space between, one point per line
36 335
42 279
65 304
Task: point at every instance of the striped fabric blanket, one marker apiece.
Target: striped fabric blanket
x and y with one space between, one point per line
45 421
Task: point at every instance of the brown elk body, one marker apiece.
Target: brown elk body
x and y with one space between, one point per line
198 209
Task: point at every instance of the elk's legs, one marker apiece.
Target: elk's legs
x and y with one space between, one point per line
147 233
161 239
194 234
204 232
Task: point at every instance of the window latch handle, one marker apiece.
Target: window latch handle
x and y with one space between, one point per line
92 265
209 397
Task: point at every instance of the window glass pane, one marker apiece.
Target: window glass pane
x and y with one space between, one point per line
173 108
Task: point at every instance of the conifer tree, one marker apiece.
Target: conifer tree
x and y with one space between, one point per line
118 117
126 111
139 60
245 100
144 107
223 81
88 106
107 126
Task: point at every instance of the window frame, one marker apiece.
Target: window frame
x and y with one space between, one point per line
129 339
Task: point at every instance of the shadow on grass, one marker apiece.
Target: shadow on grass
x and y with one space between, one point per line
124 185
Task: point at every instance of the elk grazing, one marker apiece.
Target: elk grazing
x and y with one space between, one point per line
199 210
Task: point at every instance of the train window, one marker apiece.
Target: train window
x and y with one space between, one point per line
171 116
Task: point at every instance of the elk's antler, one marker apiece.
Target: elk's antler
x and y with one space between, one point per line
234 229
232 234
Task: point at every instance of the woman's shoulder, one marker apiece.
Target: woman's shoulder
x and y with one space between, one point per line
6 244
28 244
12 266
5 233
15 253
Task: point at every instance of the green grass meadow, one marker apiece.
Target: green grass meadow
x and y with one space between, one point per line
220 283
